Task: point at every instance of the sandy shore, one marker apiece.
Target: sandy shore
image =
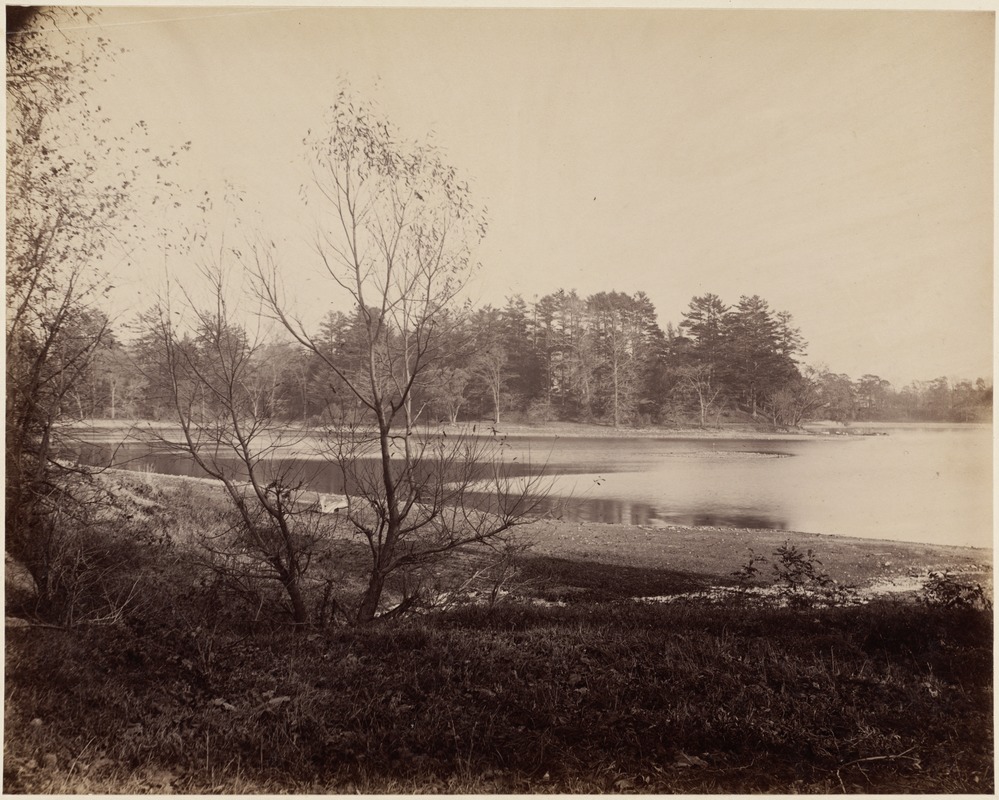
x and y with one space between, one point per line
717 552
304 442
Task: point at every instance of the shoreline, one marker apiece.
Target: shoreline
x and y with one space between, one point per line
706 553
102 431
717 552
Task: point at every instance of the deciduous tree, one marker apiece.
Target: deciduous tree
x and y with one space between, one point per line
221 399
396 230
70 196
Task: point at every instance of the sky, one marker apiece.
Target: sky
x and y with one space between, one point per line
837 163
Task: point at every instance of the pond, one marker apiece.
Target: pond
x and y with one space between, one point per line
929 484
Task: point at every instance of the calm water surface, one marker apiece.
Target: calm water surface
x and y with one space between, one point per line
921 484
916 484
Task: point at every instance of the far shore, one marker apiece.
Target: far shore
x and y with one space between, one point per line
107 431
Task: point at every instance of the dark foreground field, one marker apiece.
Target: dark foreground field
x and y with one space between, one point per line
569 683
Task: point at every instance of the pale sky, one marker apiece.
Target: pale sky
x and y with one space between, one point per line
837 163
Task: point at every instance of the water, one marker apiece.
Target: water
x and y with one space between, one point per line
919 483
916 484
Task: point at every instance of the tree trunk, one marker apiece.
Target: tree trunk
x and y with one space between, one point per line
300 614
617 415
372 597
385 549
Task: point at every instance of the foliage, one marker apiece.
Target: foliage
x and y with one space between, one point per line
552 679
797 577
553 360
792 403
71 202
871 398
946 590
797 570
750 571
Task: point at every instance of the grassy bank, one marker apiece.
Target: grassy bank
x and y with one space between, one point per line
568 682
596 697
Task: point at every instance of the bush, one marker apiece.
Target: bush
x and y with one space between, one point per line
798 577
946 591
541 411
86 572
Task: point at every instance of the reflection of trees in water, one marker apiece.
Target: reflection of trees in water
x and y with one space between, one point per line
324 477
735 520
318 475
625 512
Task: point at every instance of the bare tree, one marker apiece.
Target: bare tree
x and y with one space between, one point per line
700 381
214 386
491 366
396 230
791 404
487 358
448 392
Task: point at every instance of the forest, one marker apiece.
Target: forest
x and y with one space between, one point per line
602 359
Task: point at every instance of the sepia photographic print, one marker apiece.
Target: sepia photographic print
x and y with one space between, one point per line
493 400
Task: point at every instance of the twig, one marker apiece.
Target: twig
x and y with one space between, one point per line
890 757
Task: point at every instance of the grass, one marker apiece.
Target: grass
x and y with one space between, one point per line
568 685
592 697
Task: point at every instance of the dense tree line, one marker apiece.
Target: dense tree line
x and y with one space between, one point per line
602 358
871 398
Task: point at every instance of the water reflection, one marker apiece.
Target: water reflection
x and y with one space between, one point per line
652 515
924 485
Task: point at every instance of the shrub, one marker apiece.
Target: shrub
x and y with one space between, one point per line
798 577
947 591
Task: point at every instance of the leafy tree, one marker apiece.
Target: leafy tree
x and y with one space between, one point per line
488 360
624 332
70 201
936 398
525 379
705 327
873 397
113 384
653 360
836 393
564 348
792 403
